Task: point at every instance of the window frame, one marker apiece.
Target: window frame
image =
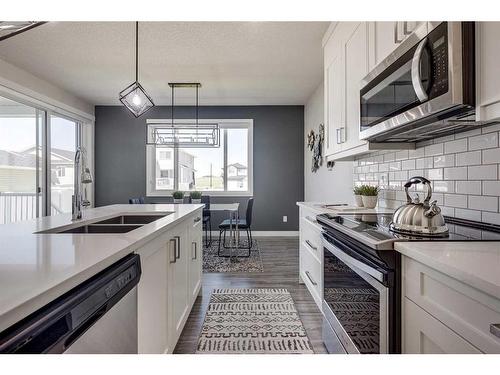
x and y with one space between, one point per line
151 190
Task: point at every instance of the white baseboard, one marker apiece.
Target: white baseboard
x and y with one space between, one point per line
266 233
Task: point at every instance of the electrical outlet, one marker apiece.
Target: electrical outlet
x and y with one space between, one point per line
285 219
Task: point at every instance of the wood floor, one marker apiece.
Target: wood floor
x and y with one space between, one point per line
280 257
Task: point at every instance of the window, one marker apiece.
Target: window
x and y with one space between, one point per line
37 148
225 170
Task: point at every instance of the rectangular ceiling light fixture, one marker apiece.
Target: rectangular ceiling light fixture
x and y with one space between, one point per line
162 133
10 28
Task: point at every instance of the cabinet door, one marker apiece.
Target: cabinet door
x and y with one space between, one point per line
385 39
152 302
356 68
178 282
488 71
196 257
424 334
334 96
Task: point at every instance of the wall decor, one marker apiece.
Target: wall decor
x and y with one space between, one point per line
315 144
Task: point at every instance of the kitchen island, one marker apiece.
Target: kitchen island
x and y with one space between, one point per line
38 263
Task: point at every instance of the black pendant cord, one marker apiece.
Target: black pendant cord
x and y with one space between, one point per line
196 107
137 51
172 107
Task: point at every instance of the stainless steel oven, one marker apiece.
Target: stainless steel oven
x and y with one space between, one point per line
424 89
360 305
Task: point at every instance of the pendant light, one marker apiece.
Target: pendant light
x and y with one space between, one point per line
183 133
134 97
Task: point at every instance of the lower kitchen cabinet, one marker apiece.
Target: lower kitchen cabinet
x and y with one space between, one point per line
170 282
445 315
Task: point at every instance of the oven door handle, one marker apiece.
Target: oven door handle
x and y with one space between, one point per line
347 259
416 79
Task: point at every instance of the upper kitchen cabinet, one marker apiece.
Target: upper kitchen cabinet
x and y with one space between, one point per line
487 71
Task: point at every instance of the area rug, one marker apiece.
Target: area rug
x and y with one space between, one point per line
252 321
213 263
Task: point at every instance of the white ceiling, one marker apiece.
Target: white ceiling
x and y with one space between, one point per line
238 63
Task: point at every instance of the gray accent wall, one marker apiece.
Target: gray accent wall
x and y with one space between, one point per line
278 153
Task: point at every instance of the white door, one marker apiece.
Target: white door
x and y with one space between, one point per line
178 283
356 68
196 257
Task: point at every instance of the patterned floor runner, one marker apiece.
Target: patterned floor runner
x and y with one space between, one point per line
252 321
213 263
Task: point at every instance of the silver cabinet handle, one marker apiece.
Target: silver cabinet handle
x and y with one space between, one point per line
415 72
195 248
405 28
311 245
310 219
342 134
310 278
338 135
495 329
173 241
178 247
197 219
396 33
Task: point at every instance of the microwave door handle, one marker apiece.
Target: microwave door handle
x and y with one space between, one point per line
415 72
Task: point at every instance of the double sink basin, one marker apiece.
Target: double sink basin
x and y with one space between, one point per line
116 224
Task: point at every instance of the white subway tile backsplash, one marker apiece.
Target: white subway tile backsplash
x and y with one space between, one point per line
491 156
455 200
457 173
444 161
468 187
432 150
478 202
408 164
479 142
491 188
468 158
459 145
483 172
464 170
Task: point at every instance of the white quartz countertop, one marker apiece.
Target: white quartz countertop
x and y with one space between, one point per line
319 207
476 264
37 268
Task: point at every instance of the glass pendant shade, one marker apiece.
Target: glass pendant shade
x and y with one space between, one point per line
135 98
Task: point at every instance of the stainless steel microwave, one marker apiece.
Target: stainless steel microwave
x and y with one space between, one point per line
424 89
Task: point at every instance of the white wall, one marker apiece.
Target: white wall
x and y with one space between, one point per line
21 82
333 186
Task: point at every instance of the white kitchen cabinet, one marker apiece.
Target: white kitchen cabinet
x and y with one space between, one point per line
424 334
356 65
178 280
384 39
196 258
487 71
152 298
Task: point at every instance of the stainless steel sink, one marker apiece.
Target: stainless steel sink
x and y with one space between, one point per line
101 228
132 219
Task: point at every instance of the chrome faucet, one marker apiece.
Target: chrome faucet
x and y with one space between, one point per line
82 176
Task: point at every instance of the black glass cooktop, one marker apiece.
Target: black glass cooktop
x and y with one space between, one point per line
376 226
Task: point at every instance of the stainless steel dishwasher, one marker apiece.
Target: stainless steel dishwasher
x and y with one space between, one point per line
98 316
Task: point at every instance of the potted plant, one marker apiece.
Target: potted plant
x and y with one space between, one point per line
195 196
369 195
178 196
357 196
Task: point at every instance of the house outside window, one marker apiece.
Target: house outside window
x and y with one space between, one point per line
224 170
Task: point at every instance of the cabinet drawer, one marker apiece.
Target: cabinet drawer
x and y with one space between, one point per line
462 308
424 334
310 272
310 236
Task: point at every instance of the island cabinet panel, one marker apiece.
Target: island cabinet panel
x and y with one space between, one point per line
178 281
196 257
152 298
170 282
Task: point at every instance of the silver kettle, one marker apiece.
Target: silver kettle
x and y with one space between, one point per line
416 218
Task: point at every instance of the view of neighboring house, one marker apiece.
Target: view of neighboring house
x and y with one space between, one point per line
237 176
18 182
165 169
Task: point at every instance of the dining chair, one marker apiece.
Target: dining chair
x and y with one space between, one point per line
207 220
139 200
245 224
